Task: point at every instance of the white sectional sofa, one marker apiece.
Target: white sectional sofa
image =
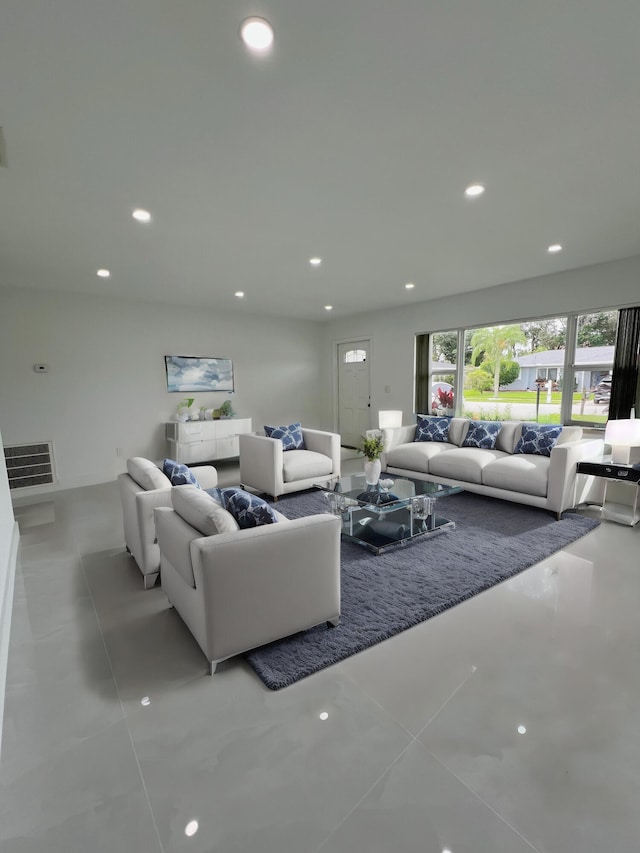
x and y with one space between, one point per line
548 482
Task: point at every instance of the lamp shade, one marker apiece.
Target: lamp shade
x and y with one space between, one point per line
389 419
622 435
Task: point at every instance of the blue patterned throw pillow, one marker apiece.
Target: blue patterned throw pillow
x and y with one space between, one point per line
538 439
179 474
290 436
432 429
482 434
248 510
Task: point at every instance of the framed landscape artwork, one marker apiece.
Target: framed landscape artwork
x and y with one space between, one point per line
195 373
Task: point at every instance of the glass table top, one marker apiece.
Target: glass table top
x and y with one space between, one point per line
393 513
391 491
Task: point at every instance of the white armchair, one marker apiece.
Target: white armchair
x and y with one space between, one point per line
267 468
143 488
240 589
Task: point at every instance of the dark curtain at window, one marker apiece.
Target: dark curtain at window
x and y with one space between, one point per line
625 365
422 395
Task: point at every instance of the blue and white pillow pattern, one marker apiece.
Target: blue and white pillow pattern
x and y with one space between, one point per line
290 436
248 510
432 429
179 474
538 439
482 434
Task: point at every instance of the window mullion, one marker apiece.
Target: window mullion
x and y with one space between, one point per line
568 382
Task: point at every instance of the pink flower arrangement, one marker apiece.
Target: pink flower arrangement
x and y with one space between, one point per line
445 398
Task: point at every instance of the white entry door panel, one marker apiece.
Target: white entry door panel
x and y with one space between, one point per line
354 400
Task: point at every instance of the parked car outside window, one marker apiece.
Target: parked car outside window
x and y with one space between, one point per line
602 391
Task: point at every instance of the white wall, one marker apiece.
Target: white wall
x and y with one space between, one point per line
106 385
392 331
8 555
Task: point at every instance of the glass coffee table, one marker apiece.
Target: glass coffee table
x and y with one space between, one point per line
391 514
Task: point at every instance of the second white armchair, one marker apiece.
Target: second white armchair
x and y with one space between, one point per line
269 469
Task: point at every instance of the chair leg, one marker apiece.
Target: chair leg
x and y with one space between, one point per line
150 580
333 623
212 666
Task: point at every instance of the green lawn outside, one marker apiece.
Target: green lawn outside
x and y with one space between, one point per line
516 397
501 406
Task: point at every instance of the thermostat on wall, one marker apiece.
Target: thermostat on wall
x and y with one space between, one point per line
41 368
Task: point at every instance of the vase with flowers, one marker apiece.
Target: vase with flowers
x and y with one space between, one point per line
372 448
443 403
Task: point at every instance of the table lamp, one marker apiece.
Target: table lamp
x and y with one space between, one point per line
389 419
622 435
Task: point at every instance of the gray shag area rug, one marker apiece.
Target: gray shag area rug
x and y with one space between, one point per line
384 595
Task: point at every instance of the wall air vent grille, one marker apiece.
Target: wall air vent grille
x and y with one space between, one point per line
29 465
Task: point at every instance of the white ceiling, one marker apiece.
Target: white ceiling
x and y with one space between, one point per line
354 141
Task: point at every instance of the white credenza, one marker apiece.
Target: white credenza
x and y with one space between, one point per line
201 441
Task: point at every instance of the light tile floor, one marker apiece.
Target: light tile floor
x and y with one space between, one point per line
505 725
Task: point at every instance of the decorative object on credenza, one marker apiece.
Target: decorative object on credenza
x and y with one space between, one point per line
183 412
372 448
226 410
622 435
197 373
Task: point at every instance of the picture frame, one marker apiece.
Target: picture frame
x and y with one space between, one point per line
188 373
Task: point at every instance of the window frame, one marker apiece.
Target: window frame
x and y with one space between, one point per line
567 371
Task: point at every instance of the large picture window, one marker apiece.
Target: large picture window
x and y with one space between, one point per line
550 370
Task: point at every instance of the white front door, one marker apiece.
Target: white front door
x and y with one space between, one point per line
354 402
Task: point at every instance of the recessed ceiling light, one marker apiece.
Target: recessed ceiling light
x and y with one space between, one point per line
315 262
103 273
323 715
328 307
553 248
474 190
409 285
522 730
191 828
141 215
240 294
257 34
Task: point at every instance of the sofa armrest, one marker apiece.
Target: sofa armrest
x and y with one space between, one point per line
561 488
394 436
267 582
206 475
261 463
146 502
327 443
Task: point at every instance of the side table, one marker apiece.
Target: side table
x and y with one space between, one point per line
611 472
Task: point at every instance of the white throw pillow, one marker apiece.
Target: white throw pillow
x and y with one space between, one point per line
201 511
146 474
